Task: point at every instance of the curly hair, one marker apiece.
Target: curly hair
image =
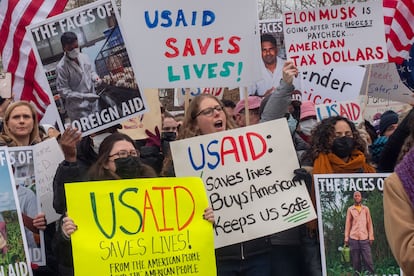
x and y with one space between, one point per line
323 135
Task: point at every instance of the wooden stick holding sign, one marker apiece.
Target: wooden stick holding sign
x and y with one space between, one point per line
186 99
366 91
246 105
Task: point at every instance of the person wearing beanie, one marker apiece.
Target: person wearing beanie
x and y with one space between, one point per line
388 123
307 120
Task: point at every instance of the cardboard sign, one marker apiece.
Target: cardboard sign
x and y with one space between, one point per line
14 252
100 90
5 85
179 94
334 195
135 127
247 173
351 34
141 227
191 44
47 156
383 81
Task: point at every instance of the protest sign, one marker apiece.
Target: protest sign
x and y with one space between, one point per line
141 227
323 86
14 253
376 105
352 34
47 157
22 162
275 28
350 109
90 96
135 127
385 82
247 173
334 194
179 94
183 44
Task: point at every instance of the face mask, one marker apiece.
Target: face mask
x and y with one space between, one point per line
128 167
73 54
292 123
342 147
97 140
307 126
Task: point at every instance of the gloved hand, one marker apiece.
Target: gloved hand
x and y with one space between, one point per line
153 139
302 174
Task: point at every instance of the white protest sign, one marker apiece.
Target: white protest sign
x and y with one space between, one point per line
248 174
47 156
22 161
179 94
385 82
376 105
200 43
322 86
338 35
350 109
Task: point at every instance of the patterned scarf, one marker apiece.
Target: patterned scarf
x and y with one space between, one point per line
405 171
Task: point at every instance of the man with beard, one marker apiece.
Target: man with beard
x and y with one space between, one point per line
271 70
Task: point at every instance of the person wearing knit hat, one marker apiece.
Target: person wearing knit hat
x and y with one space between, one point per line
388 123
253 103
307 120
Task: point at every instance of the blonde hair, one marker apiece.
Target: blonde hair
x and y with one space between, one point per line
34 134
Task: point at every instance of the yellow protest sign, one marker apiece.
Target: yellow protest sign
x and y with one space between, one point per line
139 227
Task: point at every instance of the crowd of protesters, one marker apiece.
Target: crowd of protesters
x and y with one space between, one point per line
332 145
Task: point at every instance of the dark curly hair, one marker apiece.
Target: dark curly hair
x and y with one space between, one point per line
324 134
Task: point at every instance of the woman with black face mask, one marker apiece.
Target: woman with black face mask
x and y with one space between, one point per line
335 147
117 159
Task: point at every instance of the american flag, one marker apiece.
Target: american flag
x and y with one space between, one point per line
29 81
399 28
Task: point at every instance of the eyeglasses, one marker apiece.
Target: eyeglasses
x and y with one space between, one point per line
125 153
209 111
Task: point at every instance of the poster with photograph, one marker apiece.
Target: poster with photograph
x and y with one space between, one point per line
14 254
22 162
88 66
341 199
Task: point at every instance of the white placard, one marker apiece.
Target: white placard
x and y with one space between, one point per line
199 43
323 86
351 34
248 175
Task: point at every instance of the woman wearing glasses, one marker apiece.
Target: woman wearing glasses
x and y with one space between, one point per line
206 115
117 159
